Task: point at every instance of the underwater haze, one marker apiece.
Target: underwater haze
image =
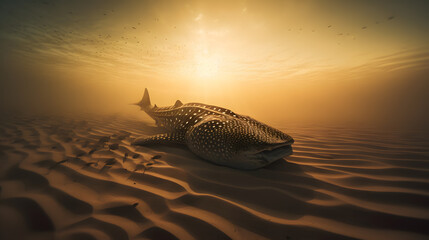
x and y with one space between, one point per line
336 62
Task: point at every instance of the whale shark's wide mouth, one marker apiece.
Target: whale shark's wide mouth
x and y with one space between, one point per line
276 152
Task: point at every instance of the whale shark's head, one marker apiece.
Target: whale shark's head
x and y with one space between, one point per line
265 154
240 143
258 145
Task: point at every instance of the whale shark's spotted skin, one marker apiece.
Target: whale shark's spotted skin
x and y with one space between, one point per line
218 134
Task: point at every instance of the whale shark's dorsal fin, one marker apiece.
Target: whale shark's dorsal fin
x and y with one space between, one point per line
145 102
178 103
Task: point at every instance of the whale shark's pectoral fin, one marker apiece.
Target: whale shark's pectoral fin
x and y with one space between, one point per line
165 138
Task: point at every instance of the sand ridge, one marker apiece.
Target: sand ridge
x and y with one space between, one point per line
80 178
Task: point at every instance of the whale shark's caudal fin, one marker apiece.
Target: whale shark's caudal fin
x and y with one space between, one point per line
145 102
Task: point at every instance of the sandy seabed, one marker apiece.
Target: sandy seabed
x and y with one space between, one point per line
79 178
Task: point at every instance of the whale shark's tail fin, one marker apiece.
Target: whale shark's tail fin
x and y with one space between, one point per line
144 104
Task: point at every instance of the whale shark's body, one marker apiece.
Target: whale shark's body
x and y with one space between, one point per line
217 134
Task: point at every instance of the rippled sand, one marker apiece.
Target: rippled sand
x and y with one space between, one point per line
60 179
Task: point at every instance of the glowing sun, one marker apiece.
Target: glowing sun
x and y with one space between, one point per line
206 65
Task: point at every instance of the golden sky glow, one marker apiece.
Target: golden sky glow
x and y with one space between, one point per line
214 51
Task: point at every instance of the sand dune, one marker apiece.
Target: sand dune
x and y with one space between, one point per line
79 178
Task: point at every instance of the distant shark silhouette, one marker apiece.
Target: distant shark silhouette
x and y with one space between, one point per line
217 134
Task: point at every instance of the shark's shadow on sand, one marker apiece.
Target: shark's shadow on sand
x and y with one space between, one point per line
280 189
269 197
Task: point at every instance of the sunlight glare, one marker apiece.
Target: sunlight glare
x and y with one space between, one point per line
206 65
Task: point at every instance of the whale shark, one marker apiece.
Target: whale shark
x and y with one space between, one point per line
216 134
